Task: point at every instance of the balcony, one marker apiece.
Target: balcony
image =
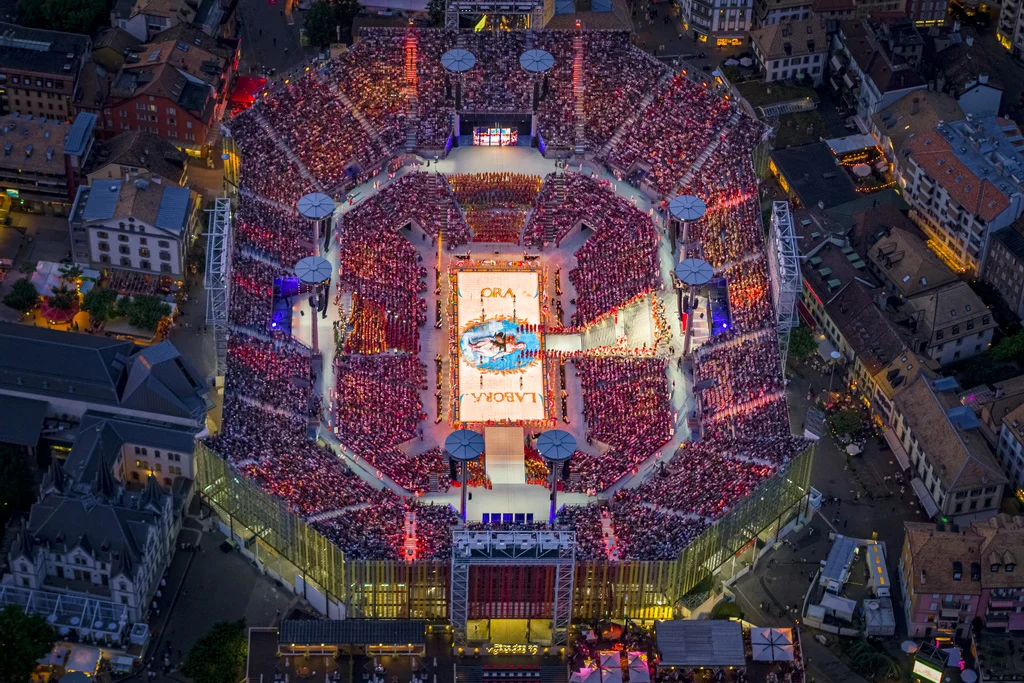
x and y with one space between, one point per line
1001 604
951 610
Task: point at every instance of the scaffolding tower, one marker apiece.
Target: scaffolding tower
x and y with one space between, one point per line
784 267
514 549
218 276
534 9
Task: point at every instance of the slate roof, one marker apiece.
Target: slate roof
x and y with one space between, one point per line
157 379
141 150
51 55
352 631
961 458
812 172
21 420
101 436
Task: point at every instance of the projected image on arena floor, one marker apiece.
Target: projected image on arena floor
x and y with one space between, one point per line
499 348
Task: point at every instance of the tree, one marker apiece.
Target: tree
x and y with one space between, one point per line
346 11
100 304
24 638
1009 348
69 272
846 421
63 298
144 311
219 656
437 9
16 490
321 24
801 343
22 296
78 16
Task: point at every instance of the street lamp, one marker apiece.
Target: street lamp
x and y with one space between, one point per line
835 355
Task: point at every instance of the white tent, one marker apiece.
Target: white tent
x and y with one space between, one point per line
611 667
638 671
772 644
587 674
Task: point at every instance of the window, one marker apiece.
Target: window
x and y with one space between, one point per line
171 111
144 252
102 235
144 265
124 249
994 568
142 240
126 262
122 238
156 454
939 335
165 256
104 246
163 244
104 258
956 329
165 267
188 124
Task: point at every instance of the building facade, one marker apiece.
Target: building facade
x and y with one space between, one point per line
952 575
790 49
43 160
718 22
39 70
1004 268
961 183
139 225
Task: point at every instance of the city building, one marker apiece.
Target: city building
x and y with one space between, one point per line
965 72
957 474
772 12
39 70
143 19
834 10
43 160
791 50
952 575
812 175
992 402
720 22
176 86
963 182
863 72
1010 28
898 257
136 153
112 542
112 46
1010 449
913 115
838 301
901 40
925 13
1004 269
139 225
949 323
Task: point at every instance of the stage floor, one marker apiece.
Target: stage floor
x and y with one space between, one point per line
501 372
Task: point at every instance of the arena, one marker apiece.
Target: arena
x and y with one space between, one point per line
508 289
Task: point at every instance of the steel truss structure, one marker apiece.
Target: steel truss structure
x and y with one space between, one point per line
514 548
218 276
784 266
532 8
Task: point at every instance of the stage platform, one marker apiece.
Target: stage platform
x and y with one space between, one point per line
505 455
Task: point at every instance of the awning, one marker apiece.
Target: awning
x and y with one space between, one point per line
930 508
897 449
825 348
805 315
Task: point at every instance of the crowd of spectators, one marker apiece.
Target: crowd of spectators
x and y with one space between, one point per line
670 133
728 375
277 233
339 122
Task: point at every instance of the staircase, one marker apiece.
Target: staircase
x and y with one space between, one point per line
358 116
442 204
412 120
409 547
708 151
611 543
559 199
624 126
578 92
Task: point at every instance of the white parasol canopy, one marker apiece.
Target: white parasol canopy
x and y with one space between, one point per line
694 272
772 644
686 207
316 206
313 270
536 61
458 60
